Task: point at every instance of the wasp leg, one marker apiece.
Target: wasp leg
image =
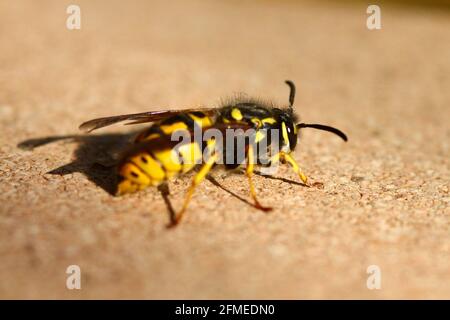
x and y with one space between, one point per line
249 172
198 178
165 193
288 158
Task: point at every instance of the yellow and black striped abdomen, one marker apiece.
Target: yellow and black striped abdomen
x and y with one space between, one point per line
154 159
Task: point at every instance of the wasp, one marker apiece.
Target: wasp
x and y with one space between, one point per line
152 159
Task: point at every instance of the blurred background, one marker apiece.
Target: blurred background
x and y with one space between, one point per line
385 199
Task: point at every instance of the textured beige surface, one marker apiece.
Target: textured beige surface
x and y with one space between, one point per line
385 199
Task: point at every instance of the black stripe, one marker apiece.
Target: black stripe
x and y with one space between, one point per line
188 120
199 114
140 169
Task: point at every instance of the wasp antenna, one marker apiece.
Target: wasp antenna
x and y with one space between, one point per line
292 93
324 128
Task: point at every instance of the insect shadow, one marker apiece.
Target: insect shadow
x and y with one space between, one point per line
96 157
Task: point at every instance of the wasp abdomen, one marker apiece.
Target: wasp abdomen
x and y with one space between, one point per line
154 164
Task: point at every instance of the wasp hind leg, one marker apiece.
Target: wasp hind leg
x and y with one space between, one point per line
198 178
165 193
249 172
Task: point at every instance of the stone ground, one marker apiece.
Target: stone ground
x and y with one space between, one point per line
385 199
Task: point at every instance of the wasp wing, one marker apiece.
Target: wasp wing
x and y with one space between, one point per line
165 142
143 117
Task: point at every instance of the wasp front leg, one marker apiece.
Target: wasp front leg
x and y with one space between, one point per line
283 158
249 172
289 159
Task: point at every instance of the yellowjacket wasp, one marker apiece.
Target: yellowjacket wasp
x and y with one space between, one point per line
153 159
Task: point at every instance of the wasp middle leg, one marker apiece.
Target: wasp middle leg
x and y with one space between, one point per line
249 172
198 178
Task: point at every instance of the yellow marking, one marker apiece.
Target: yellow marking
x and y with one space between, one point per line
191 154
134 174
259 136
225 120
151 136
210 146
141 186
150 166
257 122
236 114
211 143
201 121
201 174
170 128
275 158
249 172
126 186
205 169
269 120
285 133
170 161
143 136
250 160
295 128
